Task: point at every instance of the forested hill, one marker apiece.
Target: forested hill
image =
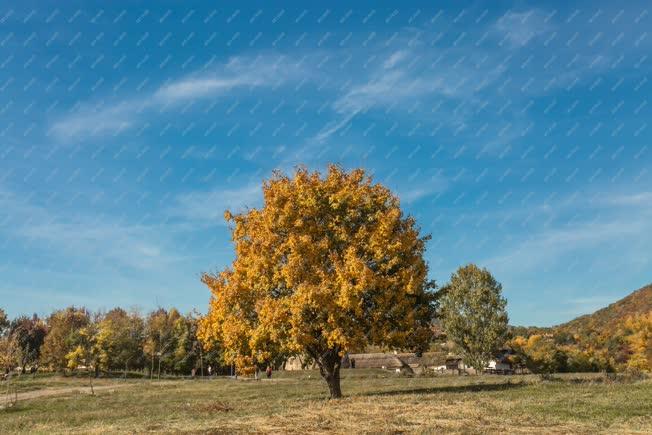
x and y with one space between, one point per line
614 338
610 317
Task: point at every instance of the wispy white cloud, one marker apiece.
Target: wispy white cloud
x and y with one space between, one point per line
586 305
643 199
240 71
198 87
425 188
471 82
552 244
617 222
332 127
100 119
518 28
133 246
91 239
395 58
408 75
404 81
263 71
208 206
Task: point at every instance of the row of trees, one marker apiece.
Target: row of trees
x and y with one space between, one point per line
117 340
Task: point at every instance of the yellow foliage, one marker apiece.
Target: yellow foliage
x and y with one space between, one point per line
9 353
638 334
538 353
327 264
75 357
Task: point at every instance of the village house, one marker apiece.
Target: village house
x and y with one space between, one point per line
406 362
440 362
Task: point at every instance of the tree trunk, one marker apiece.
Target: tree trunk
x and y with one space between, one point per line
334 384
90 381
329 367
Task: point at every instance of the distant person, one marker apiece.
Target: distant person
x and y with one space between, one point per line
192 372
269 372
210 371
352 363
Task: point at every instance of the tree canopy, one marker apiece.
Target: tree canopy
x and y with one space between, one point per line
473 315
29 333
327 265
64 327
4 321
119 339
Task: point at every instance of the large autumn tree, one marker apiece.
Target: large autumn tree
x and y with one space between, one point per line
327 265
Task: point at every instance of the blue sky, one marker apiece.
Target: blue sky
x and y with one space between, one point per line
516 133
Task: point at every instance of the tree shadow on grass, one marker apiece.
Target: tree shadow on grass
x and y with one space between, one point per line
448 389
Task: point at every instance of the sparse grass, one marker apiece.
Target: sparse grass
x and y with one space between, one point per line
39 381
376 401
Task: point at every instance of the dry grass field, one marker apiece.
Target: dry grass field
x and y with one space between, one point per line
295 402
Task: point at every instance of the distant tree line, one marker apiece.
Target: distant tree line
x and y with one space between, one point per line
163 341
625 347
166 341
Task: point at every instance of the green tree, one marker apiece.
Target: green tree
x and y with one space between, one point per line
29 333
161 337
188 352
4 322
473 315
120 340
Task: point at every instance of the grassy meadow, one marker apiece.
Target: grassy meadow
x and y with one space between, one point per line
296 402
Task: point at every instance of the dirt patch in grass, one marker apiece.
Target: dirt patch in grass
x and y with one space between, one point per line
214 407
